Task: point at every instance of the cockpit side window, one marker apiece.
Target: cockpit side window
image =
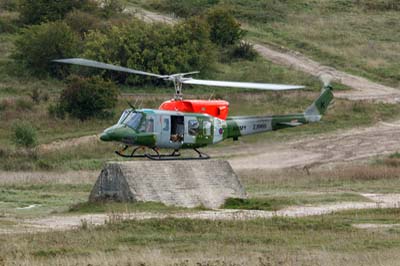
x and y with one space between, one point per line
147 125
193 127
150 125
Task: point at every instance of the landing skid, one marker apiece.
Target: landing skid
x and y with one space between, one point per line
175 155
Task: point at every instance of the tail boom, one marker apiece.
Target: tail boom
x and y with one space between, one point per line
248 125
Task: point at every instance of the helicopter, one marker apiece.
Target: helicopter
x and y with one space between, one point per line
180 124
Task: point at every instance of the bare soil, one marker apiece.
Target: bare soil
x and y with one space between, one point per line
363 89
342 146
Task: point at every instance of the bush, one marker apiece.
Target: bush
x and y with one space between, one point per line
39 44
81 22
244 50
38 11
9 5
8 23
155 48
24 134
6 26
224 29
87 97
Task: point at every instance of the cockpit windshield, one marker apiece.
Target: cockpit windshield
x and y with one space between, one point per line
123 116
135 121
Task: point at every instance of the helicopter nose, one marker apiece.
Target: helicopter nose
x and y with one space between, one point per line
105 136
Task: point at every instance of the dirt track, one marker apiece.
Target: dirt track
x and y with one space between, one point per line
363 89
342 146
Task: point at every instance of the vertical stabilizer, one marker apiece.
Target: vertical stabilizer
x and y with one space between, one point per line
318 108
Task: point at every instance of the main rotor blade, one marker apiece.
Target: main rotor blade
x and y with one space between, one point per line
247 85
92 63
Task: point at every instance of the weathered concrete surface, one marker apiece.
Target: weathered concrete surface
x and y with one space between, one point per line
180 183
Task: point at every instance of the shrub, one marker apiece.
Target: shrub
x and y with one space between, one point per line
87 97
39 44
224 29
38 11
244 50
8 22
81 22
9 5
156 48
6 26
24 134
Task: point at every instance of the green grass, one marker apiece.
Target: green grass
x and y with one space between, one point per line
47 198
118 207
276 240
277 202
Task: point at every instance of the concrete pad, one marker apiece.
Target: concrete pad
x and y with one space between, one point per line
189 184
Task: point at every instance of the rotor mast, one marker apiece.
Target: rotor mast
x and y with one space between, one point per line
178 88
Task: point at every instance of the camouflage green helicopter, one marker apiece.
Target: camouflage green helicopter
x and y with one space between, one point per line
192 124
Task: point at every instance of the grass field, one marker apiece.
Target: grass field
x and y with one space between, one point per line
326 240
319 240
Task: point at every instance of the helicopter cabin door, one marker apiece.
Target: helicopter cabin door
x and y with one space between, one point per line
173 130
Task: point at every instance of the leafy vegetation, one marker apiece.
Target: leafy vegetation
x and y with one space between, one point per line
155 48
224 29
38 45
38 11
87 97
244 50
24 134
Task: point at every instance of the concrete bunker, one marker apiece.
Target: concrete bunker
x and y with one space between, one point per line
189 184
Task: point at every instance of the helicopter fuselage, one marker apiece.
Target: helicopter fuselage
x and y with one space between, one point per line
178 130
